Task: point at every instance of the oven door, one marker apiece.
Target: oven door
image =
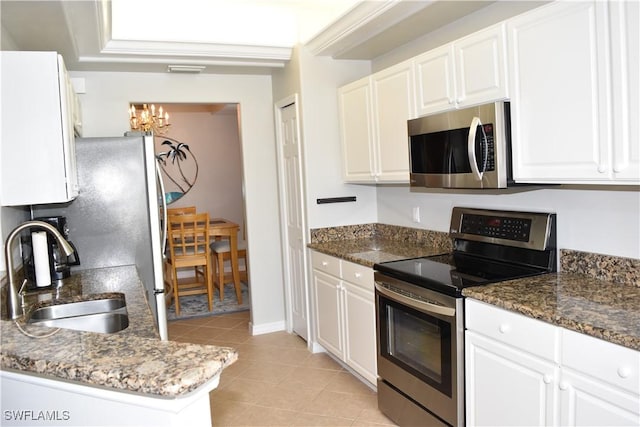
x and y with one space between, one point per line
420 352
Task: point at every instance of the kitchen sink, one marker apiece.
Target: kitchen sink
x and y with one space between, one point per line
105 315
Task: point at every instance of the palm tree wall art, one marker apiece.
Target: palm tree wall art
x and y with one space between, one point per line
179 165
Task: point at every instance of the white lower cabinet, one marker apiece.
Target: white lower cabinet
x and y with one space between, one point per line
521 385
345 312
522 371
599 382
511 367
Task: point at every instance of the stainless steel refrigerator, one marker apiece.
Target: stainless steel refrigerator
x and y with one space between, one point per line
116 218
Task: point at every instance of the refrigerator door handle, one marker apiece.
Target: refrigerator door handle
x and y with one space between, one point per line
164 210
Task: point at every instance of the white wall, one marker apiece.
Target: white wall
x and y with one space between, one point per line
591 220
10 218
316 80
320 78
104 109
214 140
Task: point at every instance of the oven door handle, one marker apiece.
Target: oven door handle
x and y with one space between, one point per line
417 304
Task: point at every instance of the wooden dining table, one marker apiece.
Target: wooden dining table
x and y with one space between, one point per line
220 228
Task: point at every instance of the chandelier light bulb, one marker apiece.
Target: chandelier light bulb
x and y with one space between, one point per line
146 120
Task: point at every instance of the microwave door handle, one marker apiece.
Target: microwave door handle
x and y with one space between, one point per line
471 148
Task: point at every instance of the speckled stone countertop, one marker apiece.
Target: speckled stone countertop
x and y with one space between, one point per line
368 244
581 303
132 360
595 294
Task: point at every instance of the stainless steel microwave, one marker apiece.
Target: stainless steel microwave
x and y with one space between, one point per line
466 148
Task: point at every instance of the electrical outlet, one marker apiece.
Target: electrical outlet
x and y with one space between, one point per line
416 214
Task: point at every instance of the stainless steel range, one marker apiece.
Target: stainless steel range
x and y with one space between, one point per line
420 309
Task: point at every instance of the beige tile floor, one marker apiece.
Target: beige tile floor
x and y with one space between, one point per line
277 381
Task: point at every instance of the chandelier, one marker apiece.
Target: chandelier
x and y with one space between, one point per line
146 120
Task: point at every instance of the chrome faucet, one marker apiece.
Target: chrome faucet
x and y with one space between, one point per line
14 306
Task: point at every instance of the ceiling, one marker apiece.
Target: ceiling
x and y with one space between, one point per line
230 36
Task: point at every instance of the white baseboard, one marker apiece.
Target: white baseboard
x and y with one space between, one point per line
267 328
317 348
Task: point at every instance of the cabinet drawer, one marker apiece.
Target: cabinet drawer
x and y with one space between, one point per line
326 263
358 274
533 336
609 362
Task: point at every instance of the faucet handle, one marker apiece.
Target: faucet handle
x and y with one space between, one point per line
24 283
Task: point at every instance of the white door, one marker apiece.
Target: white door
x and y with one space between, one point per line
292 216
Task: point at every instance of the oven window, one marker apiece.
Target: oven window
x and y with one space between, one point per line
416 342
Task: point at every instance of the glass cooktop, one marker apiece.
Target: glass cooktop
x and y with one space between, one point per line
450 273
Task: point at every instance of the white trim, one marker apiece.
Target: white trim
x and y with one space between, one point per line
363 22
267 328
168 60
134 47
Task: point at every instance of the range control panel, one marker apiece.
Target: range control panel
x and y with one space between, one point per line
494 226
533 230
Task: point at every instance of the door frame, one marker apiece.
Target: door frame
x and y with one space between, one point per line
278 107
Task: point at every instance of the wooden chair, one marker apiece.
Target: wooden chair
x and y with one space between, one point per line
188 236
181 211
221 252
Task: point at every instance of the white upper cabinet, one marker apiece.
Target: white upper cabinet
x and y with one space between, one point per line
469 71
571 106
373 117
393 106
625 55
38 151
356 129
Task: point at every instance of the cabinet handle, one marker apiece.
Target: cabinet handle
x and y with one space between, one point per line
546 378
624 372
504 328
563 385
358 275
325 263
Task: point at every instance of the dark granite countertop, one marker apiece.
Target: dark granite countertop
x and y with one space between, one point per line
132 360
368 251
592 305
578 302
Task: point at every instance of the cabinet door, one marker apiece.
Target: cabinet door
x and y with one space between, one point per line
434 80
393 105
587 401
625 45
357 131
558 80
360 331
481 67
505 386
38 158
328 312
